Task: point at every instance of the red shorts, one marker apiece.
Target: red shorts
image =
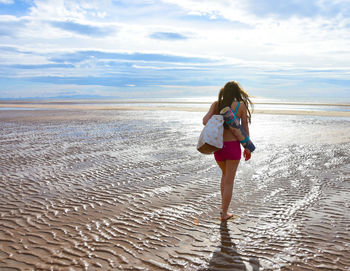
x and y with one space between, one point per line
230 151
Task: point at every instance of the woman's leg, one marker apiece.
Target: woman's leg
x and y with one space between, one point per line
227 182
222 165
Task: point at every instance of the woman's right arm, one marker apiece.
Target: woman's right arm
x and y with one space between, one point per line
244 119
210 113
247 154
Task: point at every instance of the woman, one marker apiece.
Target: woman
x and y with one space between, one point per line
228 157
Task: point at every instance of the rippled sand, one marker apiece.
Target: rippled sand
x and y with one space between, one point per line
124 190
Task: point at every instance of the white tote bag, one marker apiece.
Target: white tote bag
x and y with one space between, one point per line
211 137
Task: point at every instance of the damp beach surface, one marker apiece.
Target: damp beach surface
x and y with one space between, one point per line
85 189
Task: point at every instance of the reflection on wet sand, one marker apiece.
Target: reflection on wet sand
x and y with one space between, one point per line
226 257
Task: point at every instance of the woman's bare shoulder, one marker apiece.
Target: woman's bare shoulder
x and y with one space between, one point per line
243 106
234 106
210 113
213 106
242 112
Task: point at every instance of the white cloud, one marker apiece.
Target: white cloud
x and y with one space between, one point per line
232 10
6 2
243 39
44 10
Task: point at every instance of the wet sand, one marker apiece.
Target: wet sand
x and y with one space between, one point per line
127 190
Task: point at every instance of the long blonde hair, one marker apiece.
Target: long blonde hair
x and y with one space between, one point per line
231 92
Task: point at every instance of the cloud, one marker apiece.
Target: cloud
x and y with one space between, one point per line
83 29
40 66
124 56
167 36
8 49
11 26
116 44
284 9
232 10
6 2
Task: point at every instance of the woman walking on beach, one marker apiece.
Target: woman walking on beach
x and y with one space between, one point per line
231 95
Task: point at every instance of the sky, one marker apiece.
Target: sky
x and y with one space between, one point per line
174 48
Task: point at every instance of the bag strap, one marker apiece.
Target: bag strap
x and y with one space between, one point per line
237 108
234 114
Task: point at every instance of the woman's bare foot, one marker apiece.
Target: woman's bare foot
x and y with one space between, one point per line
227 216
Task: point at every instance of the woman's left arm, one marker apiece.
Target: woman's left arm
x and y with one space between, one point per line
210 113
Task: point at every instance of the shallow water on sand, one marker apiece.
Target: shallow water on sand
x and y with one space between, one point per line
114 190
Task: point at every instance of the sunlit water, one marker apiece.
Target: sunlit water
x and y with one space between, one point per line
123 190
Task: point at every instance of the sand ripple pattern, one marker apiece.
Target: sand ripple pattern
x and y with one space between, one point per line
113 190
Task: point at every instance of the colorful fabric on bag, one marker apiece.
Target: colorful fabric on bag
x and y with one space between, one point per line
231 119
211 137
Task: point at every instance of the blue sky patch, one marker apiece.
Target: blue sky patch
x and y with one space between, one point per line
16 7
41 66
167 36
82 29
83 55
